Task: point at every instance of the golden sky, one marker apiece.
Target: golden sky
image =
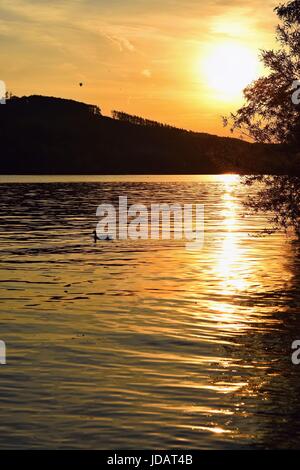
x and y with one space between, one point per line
177 61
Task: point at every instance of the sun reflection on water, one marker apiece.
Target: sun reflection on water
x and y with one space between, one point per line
230 263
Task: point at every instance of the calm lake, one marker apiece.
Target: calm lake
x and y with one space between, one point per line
143 344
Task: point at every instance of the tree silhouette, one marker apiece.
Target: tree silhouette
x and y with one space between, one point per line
271 114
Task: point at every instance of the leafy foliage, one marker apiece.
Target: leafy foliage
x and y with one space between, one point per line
269 115
278 196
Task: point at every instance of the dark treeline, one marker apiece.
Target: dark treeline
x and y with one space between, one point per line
51 135
138 120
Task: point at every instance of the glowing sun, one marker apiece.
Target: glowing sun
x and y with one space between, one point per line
229 68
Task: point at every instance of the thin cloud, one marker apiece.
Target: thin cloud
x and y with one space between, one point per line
147 73
122 43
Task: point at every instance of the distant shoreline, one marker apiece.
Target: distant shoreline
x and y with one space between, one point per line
36 179
43 135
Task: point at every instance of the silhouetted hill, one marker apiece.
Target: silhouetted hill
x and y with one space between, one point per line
57 136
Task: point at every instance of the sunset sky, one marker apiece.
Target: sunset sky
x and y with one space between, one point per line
162 59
